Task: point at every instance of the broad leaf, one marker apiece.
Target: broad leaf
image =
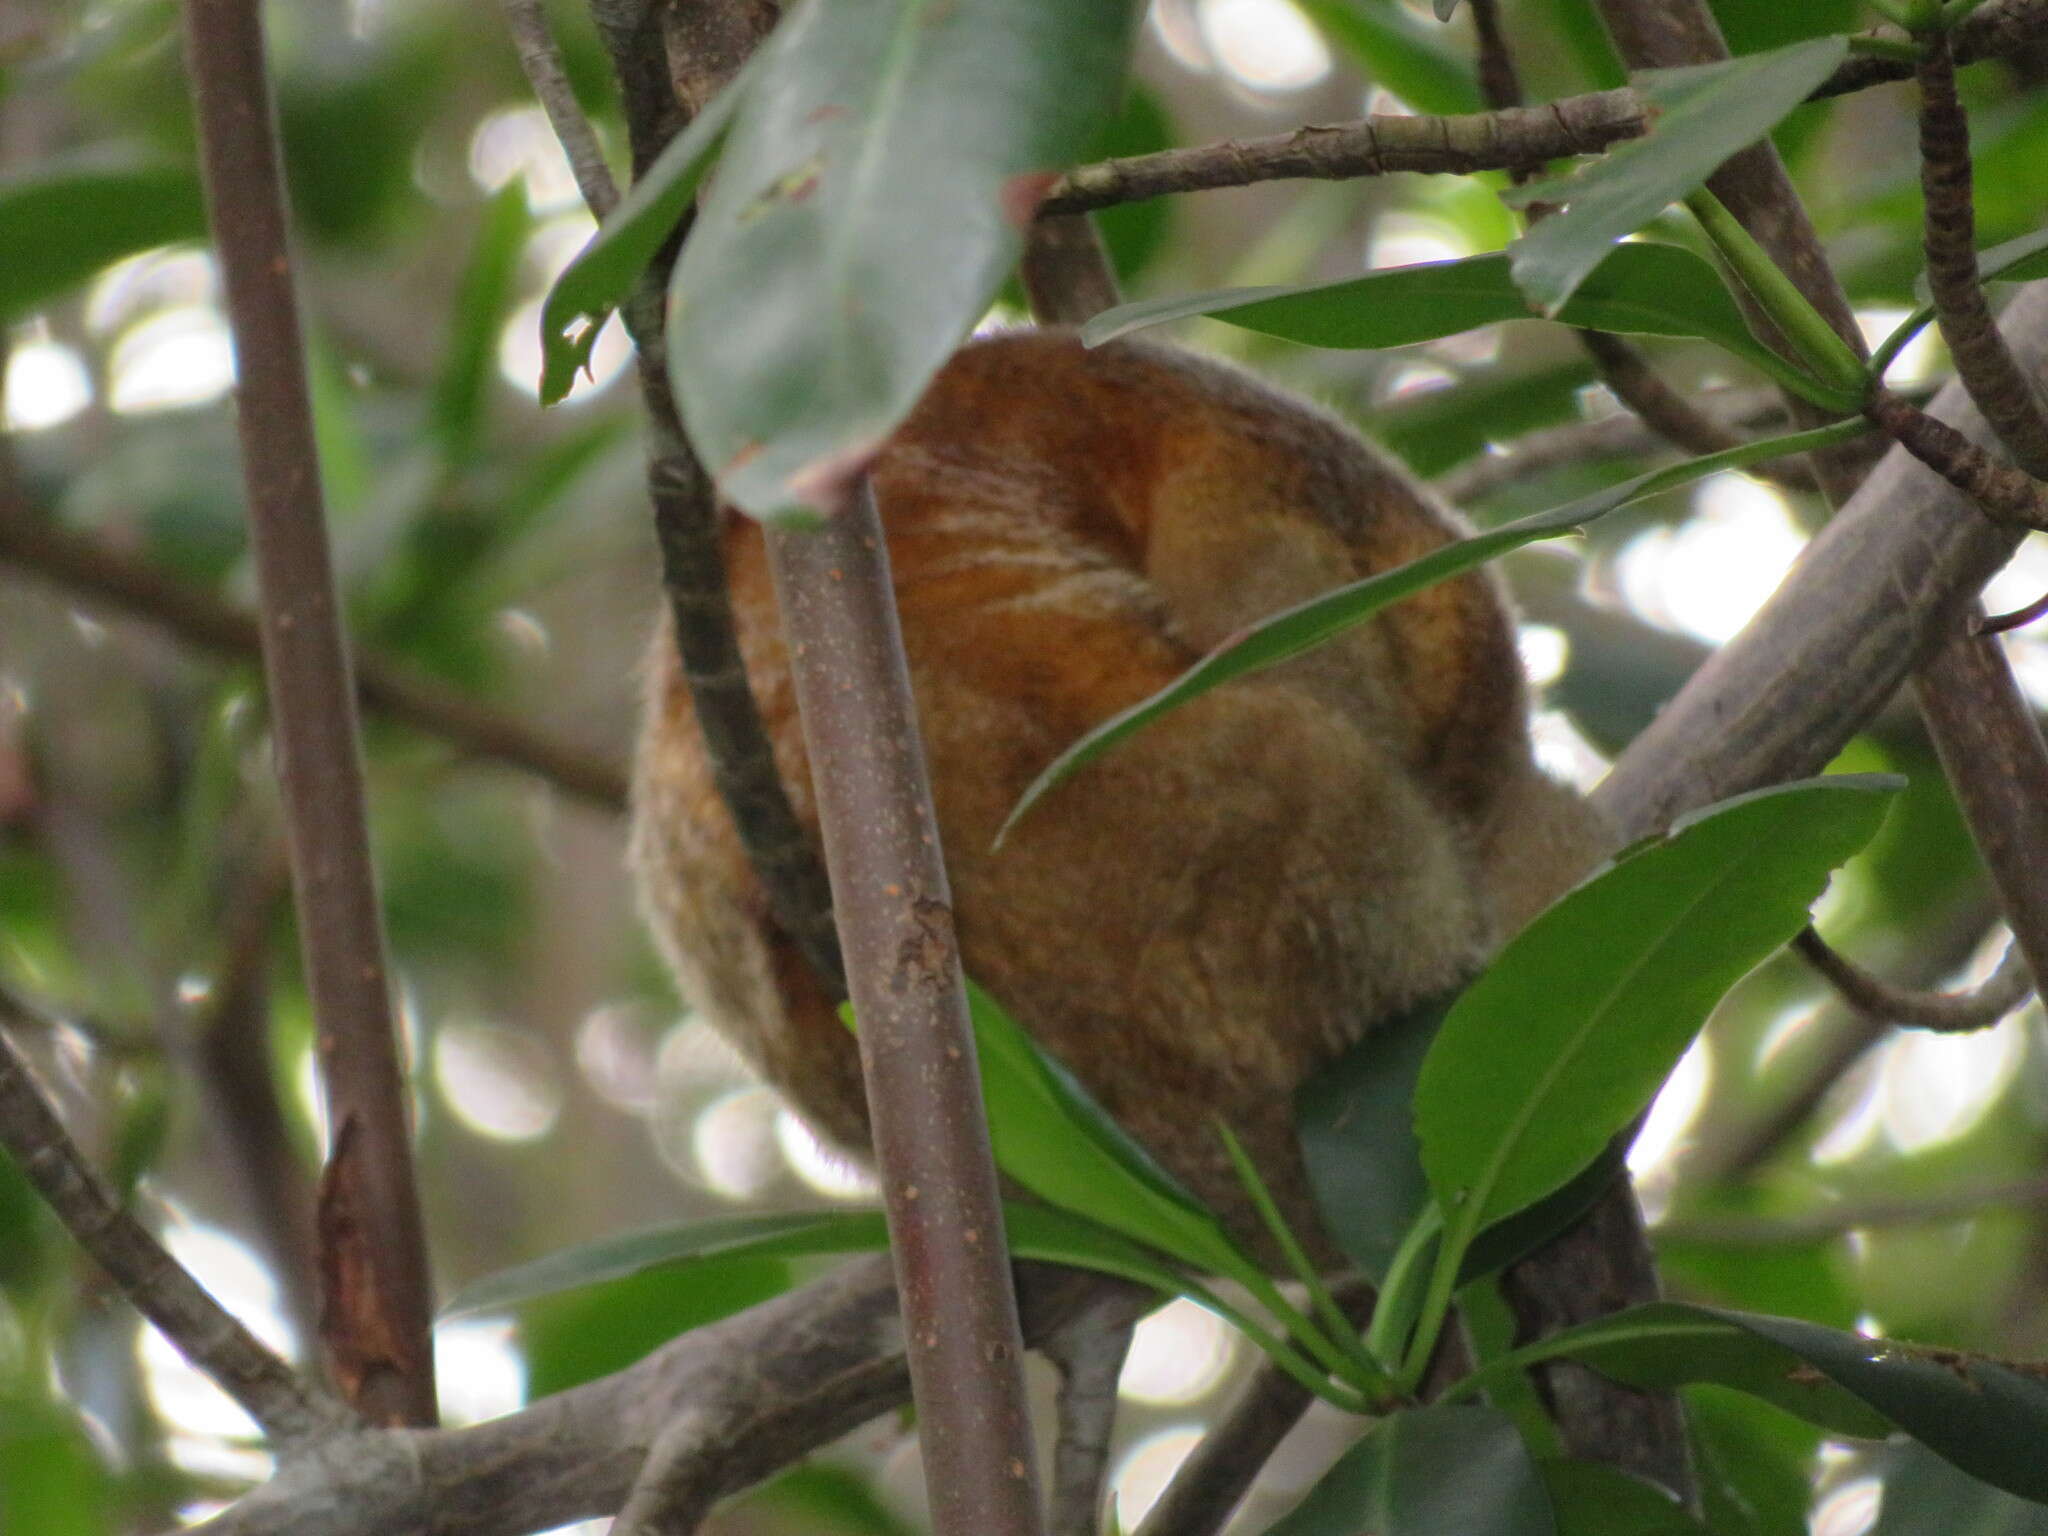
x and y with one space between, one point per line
1569 1033
605 270
1441 1471
1641 288
1707 113
65 223
1297 630
1594 1500
872 193
781 1235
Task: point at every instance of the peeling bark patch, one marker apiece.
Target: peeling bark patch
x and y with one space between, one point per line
355 1316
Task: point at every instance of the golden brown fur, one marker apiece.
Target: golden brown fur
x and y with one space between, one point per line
1198 920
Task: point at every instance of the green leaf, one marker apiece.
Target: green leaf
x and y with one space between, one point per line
1392 49
1665 1345
1440 1471
1302 628
1358 1143
66 222
1594 1500
605 270
1641 288
489 285
1923 1493
53 1481
1987 1418
2022 259
869 201
1568 1034
593 1331
1708 112
782 1235
1052 1138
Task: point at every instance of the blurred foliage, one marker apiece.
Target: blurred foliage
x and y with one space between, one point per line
505 550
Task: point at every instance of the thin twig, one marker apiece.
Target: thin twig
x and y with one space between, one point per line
1979 1007
2001 492
288 1409
1520 138
196 616
713 42
2002 28
895 914
1962 1204
1370 146
2019 618
1991 748
2006 396
377 1303
540 56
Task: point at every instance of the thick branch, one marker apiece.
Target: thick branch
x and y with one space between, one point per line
1873 592
198 618
377 1302
289 1410
895 912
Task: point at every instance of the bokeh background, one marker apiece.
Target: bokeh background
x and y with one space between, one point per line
1802 1160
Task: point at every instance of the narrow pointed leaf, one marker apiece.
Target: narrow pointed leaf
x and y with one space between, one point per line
1641 288
870 198
782 1235
1987 1418
1708 112
1664 1345
605 270
1571 1030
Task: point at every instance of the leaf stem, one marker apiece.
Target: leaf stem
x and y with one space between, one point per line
1810 335
1400 1299
1337 1327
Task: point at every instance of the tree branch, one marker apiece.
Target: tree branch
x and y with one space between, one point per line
289 1410
705 45
376 1305
895 913
196 617
1520 138
1947 1012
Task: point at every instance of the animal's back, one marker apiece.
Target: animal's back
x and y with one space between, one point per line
1198 919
